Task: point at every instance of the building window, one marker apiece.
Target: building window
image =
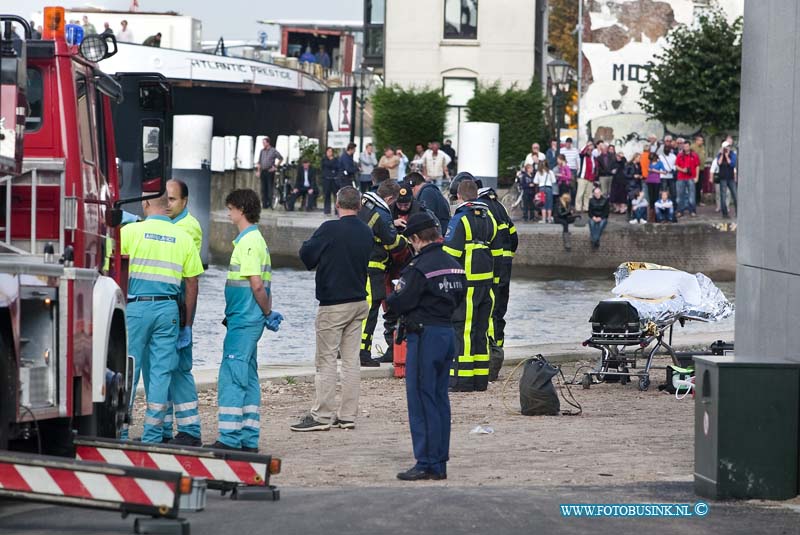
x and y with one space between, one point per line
460 19
460 91
374 15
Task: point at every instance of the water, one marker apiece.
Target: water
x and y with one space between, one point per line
539 312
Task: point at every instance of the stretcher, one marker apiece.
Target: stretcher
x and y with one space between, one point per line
632 327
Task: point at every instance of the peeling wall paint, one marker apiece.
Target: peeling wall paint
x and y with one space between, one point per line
620 38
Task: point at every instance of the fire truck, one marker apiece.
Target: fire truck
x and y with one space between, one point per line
63 354
75 146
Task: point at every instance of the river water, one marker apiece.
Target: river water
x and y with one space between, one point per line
539 312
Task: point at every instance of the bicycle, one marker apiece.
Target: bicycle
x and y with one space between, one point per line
283 184
512 201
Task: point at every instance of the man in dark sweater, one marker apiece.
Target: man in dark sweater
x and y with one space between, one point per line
430 196
340 251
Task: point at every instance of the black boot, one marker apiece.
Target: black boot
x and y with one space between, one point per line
496 357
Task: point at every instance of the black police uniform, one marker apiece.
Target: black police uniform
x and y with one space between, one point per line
398 264
430 289
472 239
378 217
508 239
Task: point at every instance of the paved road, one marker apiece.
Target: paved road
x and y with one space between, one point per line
422 509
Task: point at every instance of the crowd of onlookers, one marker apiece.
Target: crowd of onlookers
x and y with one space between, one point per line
435 161
660 183
122 35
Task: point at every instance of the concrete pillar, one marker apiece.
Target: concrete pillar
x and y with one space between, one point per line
768 246
191 162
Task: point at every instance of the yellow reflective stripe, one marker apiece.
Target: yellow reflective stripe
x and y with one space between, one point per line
395 244
376 265
502 226
149 262
509 254
480 358
467 229
496 280
451 251
481 371
479 276
155 277
373 219
497 252
240 283
512 229
468 321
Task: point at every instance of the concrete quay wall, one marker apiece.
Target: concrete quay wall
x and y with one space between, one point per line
704 246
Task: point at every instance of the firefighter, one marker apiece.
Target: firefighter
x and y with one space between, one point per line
429 290
507 236
375 212
472 239
162 257
183 391
248 309
404 207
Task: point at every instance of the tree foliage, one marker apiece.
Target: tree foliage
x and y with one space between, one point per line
696 78
561 29
520 113
405 117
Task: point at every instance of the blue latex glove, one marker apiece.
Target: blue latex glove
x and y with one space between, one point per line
128 217
185 337
273 320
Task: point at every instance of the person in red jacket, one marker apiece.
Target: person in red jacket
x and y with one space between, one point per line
688 165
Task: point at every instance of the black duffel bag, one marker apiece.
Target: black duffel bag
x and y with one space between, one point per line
537 394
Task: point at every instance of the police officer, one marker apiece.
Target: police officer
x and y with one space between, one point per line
404 207
375 212
248 309
472 239
508 242
162 256
430 289
183 391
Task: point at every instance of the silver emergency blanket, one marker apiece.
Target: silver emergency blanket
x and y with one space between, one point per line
712 305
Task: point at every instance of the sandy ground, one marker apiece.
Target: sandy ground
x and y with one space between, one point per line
623 436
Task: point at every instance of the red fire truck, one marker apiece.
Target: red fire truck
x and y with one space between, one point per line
73 140
64 367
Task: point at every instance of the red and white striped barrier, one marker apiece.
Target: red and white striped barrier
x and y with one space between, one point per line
55 480
219 468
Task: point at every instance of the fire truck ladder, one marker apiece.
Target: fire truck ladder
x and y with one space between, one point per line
127 489
245 475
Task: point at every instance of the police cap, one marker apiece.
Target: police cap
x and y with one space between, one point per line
419 222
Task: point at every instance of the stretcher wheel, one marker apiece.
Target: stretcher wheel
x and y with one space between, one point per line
644 383
586 382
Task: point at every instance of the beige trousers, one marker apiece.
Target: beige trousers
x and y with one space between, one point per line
338 332
583 195
605 185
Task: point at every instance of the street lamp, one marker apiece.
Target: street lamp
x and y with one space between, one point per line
560 74
364 78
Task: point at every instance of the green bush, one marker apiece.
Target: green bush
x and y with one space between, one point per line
520 114
406 117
